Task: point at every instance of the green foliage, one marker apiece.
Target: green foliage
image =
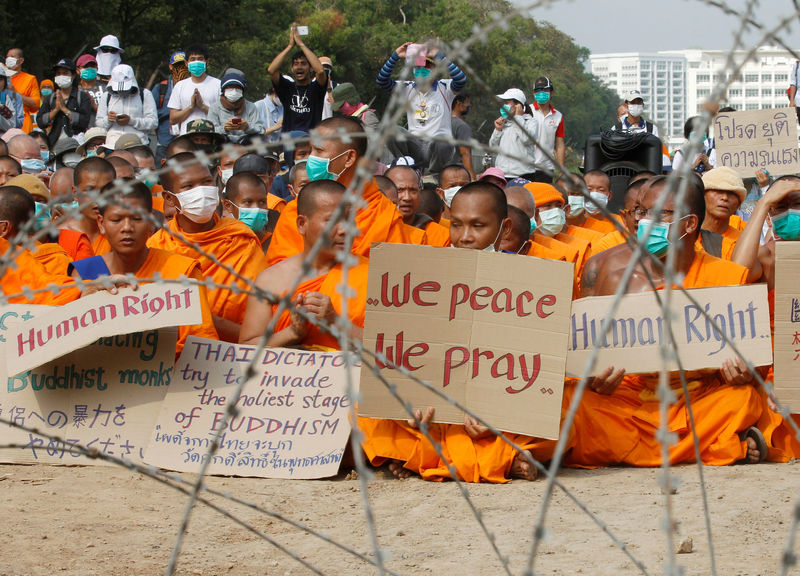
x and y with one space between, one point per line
358 35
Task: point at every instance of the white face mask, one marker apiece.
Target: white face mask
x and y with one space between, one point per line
553 221
449 194
635 110
199 203
232 94
226 175
576 205
11 62
106 61
600 200
63 81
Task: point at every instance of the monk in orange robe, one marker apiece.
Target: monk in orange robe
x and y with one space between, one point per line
27 86
587 211
478 221
246 200
725 192
521 199
379 221
22 271
621 413
318 293
126 223
627 218
408 183
229 252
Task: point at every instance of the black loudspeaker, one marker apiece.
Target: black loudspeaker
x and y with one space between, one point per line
622 164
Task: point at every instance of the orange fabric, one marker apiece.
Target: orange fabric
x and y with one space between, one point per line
230 242
329 284
610 240
158 203
544 193
53 257
27 85
569 253
76 244
171 267
27 272
437 234
729 239
101 245
445 222
380 221
540 251
736 222
599 224
275 203
622 427
582 247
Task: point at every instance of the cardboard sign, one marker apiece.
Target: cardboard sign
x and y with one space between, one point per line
292 420
489 330
637 330
753 139
787 324
104 396
79 323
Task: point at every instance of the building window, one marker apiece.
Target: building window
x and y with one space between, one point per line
766 91
781 77
751 92
752 107
734 92
751 78
703 77
702 92
766 77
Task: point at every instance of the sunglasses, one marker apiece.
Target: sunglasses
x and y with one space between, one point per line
107 50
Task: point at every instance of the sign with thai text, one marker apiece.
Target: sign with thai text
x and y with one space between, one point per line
787 324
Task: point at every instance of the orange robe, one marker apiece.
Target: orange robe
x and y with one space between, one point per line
729 239
437 234
329 284
610 240
230 242
623 427
275 203
736 222
76 244
540 251
445 222
100 245
53 257
380 221
599 224
27 85
27 272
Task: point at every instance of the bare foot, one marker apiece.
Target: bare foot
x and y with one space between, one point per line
396 468
521 468
756 446
753 453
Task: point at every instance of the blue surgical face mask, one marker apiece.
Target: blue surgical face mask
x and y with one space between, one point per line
33 165
504 110
46 92
576 205
91 153
89 74
41 216
71 208
533 224
45 156
255 218
658 242
542 97
318 168
196 68
787 224
420 72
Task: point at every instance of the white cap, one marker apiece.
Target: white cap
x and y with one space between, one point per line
633 95
109 41
122 78
513 94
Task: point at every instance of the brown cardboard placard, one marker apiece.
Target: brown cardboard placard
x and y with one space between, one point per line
753 139
293 418
787 324
79 323
489 330
104 396
637 330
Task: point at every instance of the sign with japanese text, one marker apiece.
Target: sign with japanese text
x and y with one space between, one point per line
787 324
487 329
638 329
292 419
66 328
104 396
753 139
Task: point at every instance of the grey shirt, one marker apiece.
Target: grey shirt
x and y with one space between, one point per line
219 115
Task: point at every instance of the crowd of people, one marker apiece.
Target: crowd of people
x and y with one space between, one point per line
101 178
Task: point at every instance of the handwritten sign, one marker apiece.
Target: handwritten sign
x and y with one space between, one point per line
753 139
787 324
638 330
292 420
104 396
67 328
489 330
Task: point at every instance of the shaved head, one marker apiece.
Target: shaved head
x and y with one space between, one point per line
494 197
16 207
24 146
61 182
522 199
307 200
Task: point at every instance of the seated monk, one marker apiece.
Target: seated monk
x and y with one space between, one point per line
621 415
265 170
334 159
628 218
451 179
522 199
298 177
517 239
62 192
598 184
409 187
228 251
245 199
126 220
21 270
91 175
431 203
479 221
725 192
318 293
9 168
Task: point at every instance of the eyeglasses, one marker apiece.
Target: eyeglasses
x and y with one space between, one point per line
665 214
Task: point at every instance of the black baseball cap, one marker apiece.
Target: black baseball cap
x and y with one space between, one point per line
543 83
65 63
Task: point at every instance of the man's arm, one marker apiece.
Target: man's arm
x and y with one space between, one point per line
320 74
274 69
456 74
384 78
466 160
178 116
560 151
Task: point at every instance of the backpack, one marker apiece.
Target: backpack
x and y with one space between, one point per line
648 126
162 93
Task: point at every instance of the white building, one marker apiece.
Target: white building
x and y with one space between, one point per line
675 83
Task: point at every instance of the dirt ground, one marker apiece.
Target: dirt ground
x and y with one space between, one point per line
109 521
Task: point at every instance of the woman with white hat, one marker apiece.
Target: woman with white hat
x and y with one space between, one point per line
126 108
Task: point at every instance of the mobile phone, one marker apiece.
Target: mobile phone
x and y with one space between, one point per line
236 120
302 30
122 116
417 53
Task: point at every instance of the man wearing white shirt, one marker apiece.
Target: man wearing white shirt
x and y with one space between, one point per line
192 97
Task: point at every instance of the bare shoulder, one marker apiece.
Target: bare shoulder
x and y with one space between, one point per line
279 277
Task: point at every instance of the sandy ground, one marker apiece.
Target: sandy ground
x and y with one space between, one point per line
109 521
